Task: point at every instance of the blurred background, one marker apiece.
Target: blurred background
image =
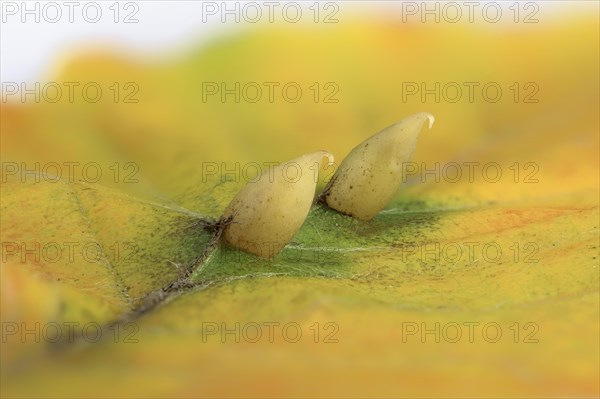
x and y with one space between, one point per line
169 101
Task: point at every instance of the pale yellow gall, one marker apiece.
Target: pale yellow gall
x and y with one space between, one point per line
372 173
266 214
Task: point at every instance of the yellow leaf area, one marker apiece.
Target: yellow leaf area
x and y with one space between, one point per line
483 285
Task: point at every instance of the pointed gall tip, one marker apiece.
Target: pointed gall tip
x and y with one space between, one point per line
428 116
